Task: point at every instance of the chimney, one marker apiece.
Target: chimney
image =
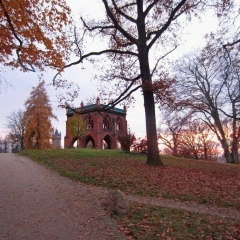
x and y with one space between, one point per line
81 105
125 109
98 101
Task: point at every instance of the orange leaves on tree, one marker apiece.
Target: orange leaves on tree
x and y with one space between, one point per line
37 119
38 23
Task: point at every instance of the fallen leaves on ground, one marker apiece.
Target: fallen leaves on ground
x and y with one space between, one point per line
150 222
182 179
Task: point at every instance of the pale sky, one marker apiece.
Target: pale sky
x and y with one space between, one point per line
12 97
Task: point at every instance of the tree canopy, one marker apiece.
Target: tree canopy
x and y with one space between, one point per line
33 33
135 32
37 118
211 92
16 128
77 126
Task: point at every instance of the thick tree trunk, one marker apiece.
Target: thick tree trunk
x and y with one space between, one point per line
153 157
235 138
22 143
234 155
226 153
229 156
205 152
234 150
222 137
175 145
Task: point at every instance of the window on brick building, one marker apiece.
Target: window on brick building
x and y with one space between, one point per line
106 123
89 122
118 124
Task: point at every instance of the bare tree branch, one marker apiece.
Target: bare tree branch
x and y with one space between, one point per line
94 54
116 24
150 6
186 9
155 67
230 44
134 79
96 27
118 10
229 115
108 106
173 16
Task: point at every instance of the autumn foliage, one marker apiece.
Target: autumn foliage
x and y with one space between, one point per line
181 179
139 36
140 145
181 182
77 125
37 119
33 33
126 140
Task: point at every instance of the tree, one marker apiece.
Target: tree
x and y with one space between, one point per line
37 119
4 145
185 135
171 136
33 33
208 147
77 126
140 145
134 30
228 34
17 129
211 84
126 140
196 140
14 145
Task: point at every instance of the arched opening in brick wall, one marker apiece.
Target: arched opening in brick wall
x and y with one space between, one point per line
107 142
89 142
74 142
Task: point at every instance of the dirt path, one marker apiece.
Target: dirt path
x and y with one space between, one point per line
36 203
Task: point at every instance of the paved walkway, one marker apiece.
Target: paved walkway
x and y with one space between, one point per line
36 203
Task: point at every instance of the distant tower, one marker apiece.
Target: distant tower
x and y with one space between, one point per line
56 139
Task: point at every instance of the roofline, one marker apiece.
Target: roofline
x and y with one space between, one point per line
97 108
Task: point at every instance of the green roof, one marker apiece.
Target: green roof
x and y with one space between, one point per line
94 106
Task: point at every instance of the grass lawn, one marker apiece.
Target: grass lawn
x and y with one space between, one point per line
181 179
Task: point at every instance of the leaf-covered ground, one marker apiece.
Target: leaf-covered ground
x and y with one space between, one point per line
208 183
183 179
151 222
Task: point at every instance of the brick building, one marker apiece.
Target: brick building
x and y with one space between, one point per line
103 127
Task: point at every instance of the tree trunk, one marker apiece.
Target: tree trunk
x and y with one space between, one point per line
195 155
234 144
234 150
227 153
205 152
153 157
175 145
222 137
